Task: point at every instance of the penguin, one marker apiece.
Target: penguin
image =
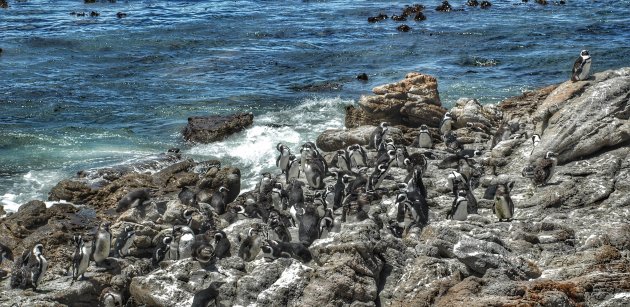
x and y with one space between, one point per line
454 180
133 199
310 151
162 250
265 186
329 196
535 142
203 251
459 209
415 205
326 223
308 227
581 67
293 169
102 244
375 180
469 153
357 156
354 207
542 170
279 197
5 253
451 142
377 135
110 298
208 295
80 257
38 267
278 226
186 239
401 155
173 246
503 206
314 173
340 190
250 246
446 125
273 249
188 197
218 200
424 138
221 244
283 159
414 181
124 241
341 161
395 229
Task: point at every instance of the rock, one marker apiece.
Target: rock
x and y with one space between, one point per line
208 129
468 110
335 139
413 101
72 191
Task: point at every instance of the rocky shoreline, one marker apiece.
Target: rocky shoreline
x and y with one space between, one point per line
567 244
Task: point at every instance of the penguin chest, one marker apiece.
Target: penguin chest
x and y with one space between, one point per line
502 208
446 127
284 162
276 200
85 259
43 267
586 68
103 245
294 171
461 210
185 246
356 160
312 175
424 140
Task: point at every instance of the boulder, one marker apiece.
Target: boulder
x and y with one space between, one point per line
335 139
208 129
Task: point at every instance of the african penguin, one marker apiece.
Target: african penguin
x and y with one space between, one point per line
250 246
162 250
340 160
541 171
293 169
581 67
40 265
102 243
283 159
446 125
110 298
459 209
503 206
424 138
221 244
218 200
308 226
80 257
377 135
208 295
357 156
326 223
273 249
314 173
185 242
535 142
133 199
124 241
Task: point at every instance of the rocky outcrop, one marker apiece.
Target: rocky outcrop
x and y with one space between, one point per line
412 101
208 129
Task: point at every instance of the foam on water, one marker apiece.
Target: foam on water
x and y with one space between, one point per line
253 151
33 185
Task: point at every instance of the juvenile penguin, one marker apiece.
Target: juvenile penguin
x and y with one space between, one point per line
110 298
503 206
293 169
535 142
459 209
424 138
278 226
581 67
218 200
377 135
185 242
35 265
447 124
133 199
340 160
326 223
208 295
221 244
124 241
279 196
188 197
80 257
283 158
102 244
308 231
541 171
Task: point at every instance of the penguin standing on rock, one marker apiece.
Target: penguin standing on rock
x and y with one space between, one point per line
80 257
124 241
250 246
102 244
186 239
221 244
581 67
30 269
357 156
503 206
283 159
447 124
205 296
218 200
293 169
535 142
133 199
376 138
459 210
162 250
340 160
424 138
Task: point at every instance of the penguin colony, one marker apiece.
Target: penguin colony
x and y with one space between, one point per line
298 197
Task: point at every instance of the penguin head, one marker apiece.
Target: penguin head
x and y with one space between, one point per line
223 190
584 53
401 197
105 226
461 193
167 240
341 152
550 155
38 249
424 128
291 157
448 115
384 125
279 147
346 178
402 186
382 167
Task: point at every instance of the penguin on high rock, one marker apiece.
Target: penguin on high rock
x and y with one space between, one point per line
375 180
581 67
283 159
459 209
340 160
446 125
314 172
162 250
273 249
124 241
535 142
186 239
542 170
377 135
208 295
424 138
5 253
80 257
503 206
133 199
30 269
41 265
102 243
357 156
221 244
293 169
218 200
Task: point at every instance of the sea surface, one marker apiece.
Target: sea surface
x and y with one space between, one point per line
80 92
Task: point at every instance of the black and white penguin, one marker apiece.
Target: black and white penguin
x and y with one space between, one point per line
277 224
377 135
357 155
340 160
326 223
110 298
5 253
459 209
451 142
208 295
188 197
308 226
401 155
185 240
454 180
265 186
39 267
202 250
133 199
221 244
446 125
535 142
102 243
424 138
250 245
541 171
218 200
314 172
293 169
413 204
375 180
309 151
414 181
124 241
340 188
80 257
273 249
279 197
503 206
162 250
469 153
283 159
581 67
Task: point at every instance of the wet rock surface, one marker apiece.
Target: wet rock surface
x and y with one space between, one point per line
567 243
208 129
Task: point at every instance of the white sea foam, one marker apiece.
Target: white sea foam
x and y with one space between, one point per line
253 151
33 185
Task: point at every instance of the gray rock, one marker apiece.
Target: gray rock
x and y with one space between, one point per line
208 129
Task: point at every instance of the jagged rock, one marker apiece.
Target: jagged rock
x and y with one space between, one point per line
72 191
412 101
208 129
335 139
468 110
215 177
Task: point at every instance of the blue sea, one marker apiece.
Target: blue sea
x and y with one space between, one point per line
81 92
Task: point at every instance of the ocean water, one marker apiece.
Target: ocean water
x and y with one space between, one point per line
80 92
